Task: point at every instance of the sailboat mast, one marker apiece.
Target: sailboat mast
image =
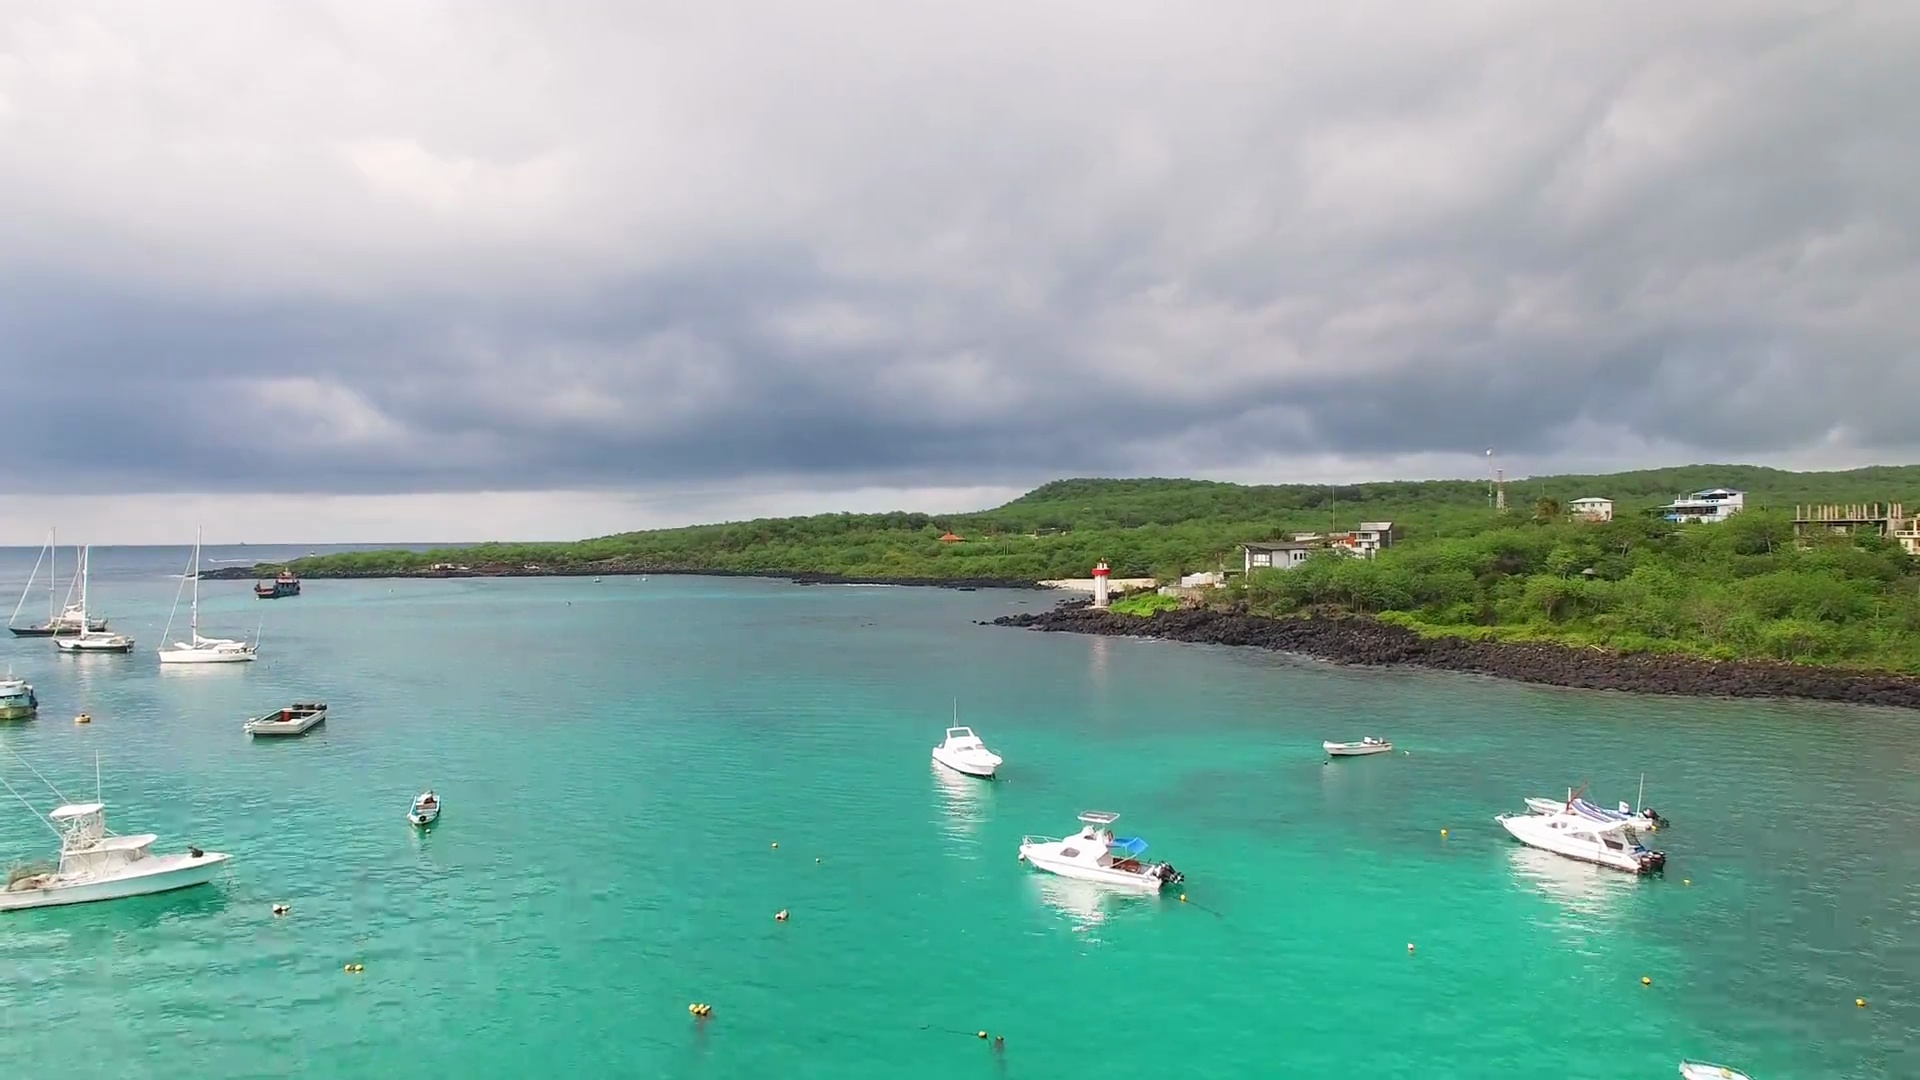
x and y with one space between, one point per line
193 610
53 567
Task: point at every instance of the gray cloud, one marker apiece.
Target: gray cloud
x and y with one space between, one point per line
362 250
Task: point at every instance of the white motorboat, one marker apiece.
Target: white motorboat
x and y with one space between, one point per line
425 809
97 865
1368 745
1613 844
87 639
963 752
197 649
1094 854
1707 1070
295 719
17 701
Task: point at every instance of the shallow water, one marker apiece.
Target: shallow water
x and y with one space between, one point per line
619 759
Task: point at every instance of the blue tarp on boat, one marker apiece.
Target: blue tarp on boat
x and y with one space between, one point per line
1127 845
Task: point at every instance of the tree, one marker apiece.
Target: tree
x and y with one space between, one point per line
1546 509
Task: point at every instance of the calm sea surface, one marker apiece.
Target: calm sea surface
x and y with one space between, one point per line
620 759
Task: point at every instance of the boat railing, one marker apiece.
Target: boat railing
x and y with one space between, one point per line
1026 840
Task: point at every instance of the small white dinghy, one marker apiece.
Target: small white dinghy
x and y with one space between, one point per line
1368 745
1706 1070
963 752
292 720
425 809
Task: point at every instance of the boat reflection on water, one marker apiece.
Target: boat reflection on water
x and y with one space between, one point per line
1086 904
1580 888
965 801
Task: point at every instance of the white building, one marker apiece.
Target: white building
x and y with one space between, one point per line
1591 509
1370 536
1713 504
1278 555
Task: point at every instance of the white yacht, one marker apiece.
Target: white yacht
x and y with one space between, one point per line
963 752
1613 844
197 649
1368 745
1094 854
292 720
17 701
87 639
425 809
97 865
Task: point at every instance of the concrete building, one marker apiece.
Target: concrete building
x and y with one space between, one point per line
1278 554
1882 519
1591 509
1711 505
1370 537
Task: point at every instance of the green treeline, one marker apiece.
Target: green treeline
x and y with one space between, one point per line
1742 588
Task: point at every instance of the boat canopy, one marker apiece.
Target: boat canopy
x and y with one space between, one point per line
1098 817
77 810
1130 845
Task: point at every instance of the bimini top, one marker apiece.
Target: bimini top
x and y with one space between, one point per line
1098 817
1129 845
77 810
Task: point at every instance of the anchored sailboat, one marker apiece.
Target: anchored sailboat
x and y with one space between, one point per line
89 639
197 649
60 621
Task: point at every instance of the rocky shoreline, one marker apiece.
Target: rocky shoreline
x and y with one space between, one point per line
609 569
1362 641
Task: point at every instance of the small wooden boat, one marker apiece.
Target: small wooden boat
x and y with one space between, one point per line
295 719
425 810
1706 1070
1368 745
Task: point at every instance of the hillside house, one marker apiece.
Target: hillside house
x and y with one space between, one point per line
1711 505
1368 538
1278 554
1591 509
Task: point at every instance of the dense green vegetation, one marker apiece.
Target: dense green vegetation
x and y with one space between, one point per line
1743 588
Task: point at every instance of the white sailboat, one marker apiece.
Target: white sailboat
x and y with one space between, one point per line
60 620
197 649
89 639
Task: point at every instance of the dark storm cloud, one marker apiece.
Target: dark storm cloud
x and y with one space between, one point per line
353 251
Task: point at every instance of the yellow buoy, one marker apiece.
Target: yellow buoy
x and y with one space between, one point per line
83 718
776 843
982 1034
354 969
1644 981
1409 946
1859 1003
1443 834
1686 881
1183 898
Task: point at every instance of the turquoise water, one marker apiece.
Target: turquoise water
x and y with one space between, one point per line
619 759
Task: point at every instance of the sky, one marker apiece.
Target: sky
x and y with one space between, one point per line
345 272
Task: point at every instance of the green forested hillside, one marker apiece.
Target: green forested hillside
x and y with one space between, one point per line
1141 527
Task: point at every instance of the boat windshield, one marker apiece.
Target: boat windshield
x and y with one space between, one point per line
959 733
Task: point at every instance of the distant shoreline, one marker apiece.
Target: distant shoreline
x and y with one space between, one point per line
1360 641
497 570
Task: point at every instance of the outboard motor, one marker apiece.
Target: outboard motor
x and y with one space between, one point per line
1165 872
1653 862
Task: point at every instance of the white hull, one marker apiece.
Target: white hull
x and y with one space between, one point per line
204 656
1356 749
1082 872
299 725
424 817
155 874
972 764
93 645
1535 830
1705 1070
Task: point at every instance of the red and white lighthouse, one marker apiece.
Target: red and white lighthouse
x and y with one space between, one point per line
1100 573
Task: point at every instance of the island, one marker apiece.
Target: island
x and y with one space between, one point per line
1710 564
